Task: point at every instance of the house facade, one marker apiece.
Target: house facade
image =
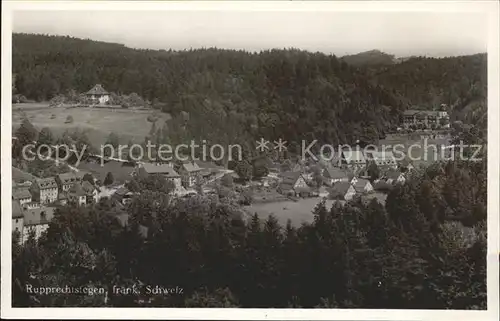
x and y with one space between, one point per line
352 159
383 159
77 195
190 173
22 195
46 189
293 183
98 95
165 170
66 180
334 175
91 193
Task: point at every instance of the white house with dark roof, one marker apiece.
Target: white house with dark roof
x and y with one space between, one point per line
383 158
166 170
293 183
66 180
98 95
353 159
46 189
77 194
190 172
36 221
334 175
22 195
91 192
342 191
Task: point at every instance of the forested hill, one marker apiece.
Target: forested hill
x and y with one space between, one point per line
370 58
290 94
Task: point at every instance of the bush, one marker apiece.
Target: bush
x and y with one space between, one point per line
19 99
152 118
69 119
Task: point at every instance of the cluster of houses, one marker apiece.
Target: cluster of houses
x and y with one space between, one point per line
35 199
345 176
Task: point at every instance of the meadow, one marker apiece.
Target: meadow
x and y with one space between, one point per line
128 124
298 212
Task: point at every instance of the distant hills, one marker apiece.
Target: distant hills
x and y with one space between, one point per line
288 94
371 57
374 58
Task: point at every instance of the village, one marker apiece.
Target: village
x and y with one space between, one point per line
352 174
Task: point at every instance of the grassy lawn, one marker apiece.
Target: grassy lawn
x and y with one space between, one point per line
297 212
127 124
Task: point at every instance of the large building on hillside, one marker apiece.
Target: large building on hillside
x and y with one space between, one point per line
425 119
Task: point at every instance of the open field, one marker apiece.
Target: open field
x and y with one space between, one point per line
300 211
99 123
297 212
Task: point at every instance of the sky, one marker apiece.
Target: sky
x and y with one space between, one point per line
399 33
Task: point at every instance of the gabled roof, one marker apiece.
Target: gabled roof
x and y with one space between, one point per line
208 165
88 188
77 190
97 90
288 180
48 182
20 193
160 168
37 216
191 167
415 112
360 184
69 177
339 189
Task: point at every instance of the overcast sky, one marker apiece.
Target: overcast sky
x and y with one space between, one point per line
401 34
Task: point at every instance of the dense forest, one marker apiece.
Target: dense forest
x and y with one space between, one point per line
289 94
409 254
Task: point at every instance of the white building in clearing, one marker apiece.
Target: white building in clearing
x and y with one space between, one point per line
98 95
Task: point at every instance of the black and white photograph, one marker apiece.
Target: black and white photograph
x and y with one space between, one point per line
285 159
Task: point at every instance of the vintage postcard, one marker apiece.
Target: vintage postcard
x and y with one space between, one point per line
250 160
